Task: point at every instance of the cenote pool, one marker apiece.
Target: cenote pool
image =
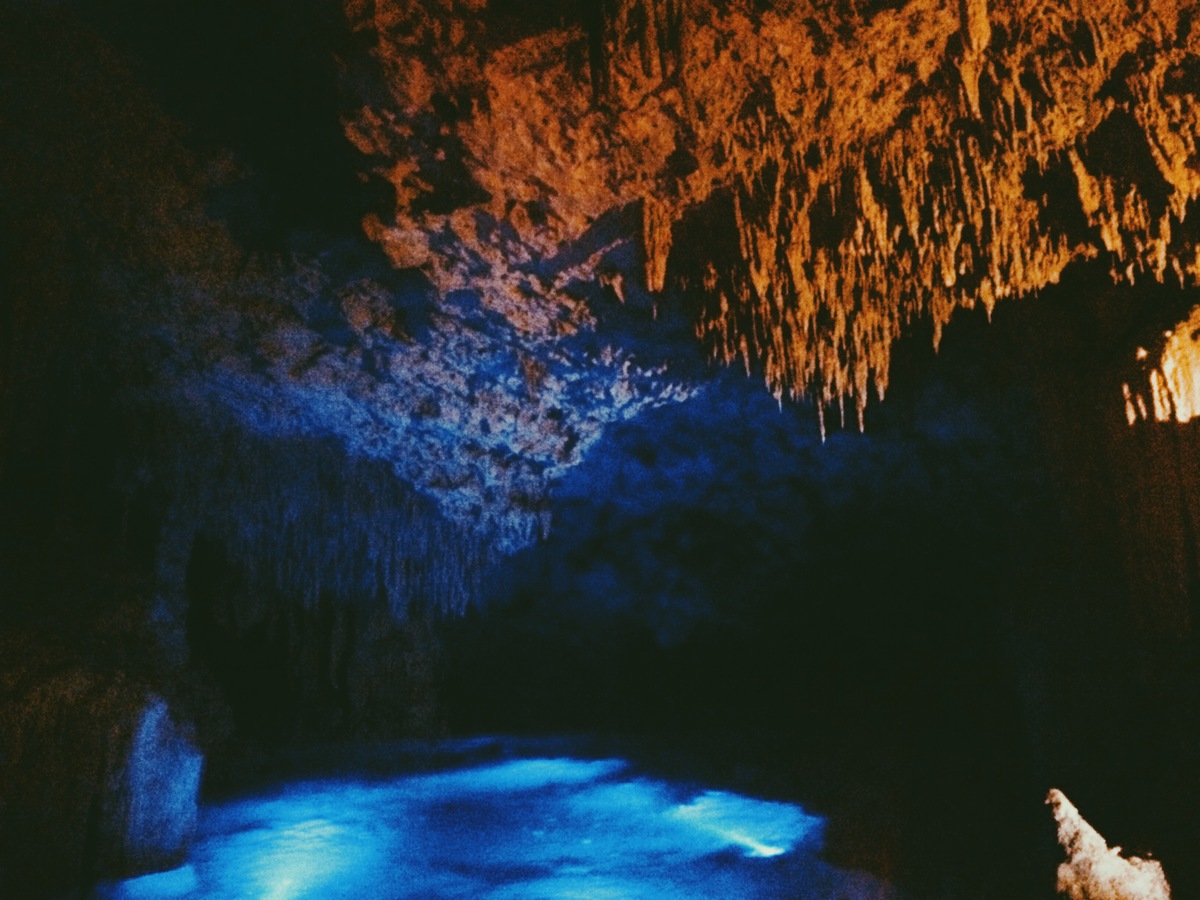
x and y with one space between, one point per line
530 827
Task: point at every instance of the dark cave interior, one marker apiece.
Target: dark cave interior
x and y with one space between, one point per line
915 631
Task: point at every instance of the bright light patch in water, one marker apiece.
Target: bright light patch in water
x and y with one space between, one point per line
763 828
302 856
179 882
525 829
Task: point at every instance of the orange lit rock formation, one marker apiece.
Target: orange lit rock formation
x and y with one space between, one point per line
873 163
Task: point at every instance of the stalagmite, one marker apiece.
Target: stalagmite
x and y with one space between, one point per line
154 801
1093 870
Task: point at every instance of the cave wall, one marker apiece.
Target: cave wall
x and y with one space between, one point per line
1117 647
98 778
303 581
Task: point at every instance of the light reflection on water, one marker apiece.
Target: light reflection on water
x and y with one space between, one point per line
526 829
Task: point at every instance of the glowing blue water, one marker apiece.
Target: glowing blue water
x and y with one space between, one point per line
529 829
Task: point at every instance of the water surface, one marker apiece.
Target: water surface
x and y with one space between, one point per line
536 828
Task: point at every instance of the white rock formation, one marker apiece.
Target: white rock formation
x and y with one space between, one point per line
1093 870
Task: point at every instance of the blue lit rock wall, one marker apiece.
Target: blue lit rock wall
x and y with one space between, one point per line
97 777
300 580
154 801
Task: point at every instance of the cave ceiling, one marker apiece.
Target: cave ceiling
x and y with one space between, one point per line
796 182
845 168
805 179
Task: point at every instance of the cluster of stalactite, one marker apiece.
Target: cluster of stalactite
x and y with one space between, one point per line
308 523
654 30
883 161
1067 134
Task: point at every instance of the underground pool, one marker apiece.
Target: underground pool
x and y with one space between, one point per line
537 827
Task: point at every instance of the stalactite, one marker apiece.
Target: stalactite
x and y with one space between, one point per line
306 522
879 168
956 224
656 242
653 30
976 32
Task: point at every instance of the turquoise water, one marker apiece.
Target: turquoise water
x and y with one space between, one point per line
519 829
